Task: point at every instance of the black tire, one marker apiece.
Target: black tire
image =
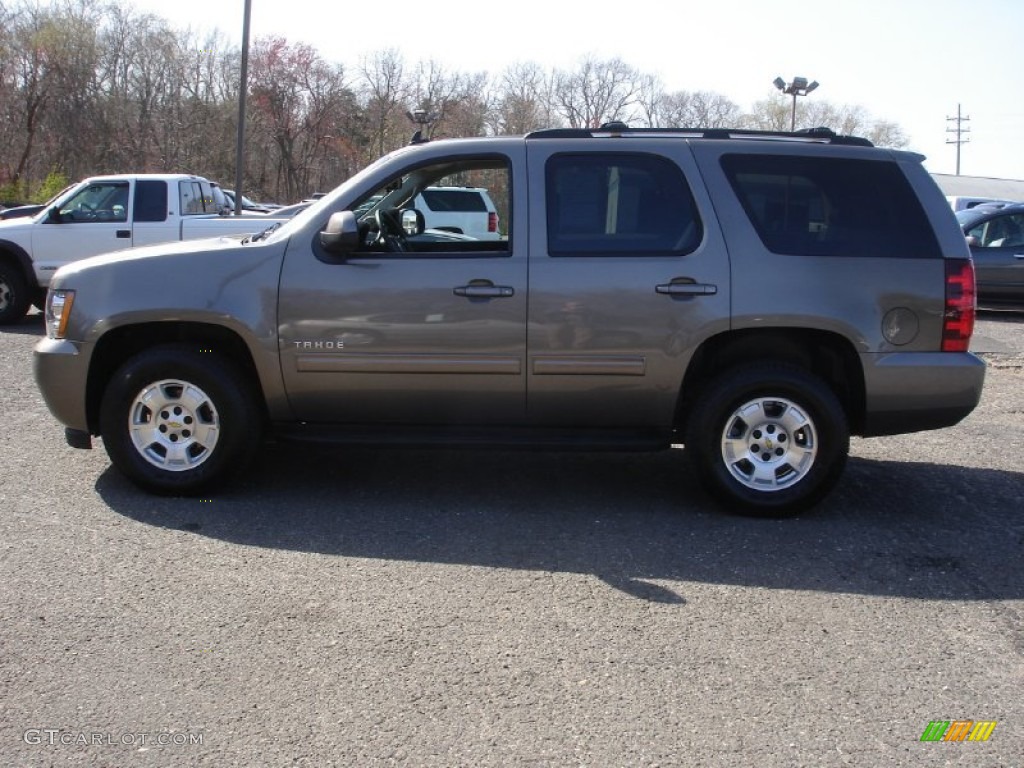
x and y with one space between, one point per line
15 297
198 425
39 299
778 456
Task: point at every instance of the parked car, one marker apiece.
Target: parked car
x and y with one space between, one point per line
248 206
965 202
757 296
287 211
996 238
463 210
23 211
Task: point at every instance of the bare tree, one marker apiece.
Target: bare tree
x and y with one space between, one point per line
699 109
598 92
296 97
90 86
522 100
384 91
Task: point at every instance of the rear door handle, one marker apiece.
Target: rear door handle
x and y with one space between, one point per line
686 289
124 233
482 291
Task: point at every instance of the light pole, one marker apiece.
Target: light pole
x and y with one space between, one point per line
799 87
242 87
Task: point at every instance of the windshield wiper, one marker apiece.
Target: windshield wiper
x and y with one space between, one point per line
265 233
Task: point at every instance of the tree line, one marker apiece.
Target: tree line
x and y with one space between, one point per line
92 87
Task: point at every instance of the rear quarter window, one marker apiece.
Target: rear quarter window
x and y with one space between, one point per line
822 206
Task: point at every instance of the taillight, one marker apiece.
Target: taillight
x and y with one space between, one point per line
958 319
492 222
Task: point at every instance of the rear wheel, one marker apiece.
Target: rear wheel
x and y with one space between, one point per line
178 421
14 294
767 439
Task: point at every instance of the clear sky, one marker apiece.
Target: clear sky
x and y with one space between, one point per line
907 61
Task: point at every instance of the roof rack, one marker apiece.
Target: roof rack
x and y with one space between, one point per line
617 129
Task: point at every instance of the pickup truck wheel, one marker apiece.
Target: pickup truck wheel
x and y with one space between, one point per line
176 421
14 295
767 439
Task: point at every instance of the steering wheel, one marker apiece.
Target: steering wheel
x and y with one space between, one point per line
83 212
389 229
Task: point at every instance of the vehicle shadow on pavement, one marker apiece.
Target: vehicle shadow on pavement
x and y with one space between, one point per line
890 528
30 325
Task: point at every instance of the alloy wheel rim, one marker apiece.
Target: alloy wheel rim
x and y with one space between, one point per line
174 425
769 444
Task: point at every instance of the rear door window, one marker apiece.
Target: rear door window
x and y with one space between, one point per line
619 204
150 200
822 206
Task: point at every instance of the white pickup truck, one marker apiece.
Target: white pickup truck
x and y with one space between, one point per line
109 213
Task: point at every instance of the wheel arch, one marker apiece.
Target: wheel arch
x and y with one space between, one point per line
12 253
120 344
829 356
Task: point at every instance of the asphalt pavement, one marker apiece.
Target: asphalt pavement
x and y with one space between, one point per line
356 607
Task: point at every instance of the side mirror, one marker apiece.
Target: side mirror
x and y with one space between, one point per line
973 241
413 222
54 214
341 234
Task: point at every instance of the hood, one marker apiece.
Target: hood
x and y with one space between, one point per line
11 227
164 255
220 281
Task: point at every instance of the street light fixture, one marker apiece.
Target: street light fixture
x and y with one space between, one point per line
424 119
799 87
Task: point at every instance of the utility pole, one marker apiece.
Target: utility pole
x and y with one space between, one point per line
960 131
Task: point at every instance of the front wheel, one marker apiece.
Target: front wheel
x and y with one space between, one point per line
767 439
178 421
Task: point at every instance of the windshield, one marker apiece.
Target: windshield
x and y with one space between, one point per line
328 202
969 216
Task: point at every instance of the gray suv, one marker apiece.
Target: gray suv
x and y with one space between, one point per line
756 296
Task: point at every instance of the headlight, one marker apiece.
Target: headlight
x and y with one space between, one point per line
58 310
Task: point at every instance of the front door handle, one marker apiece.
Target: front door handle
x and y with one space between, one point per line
124 233
686 287
482 290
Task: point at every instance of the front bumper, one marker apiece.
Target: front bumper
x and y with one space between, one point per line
61 369
914 391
